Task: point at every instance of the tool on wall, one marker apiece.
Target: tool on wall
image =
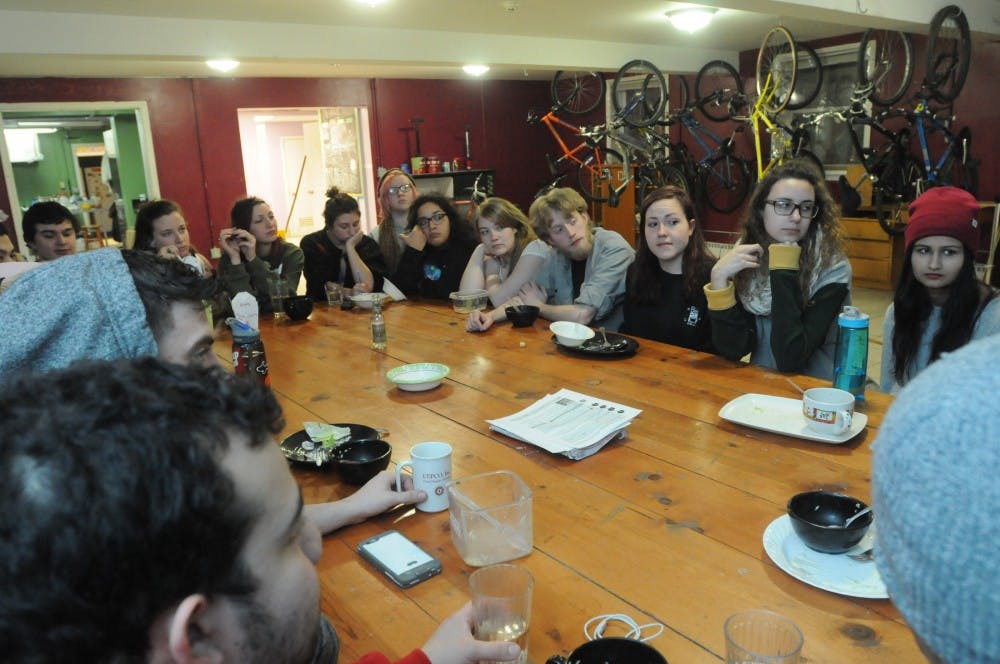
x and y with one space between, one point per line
417 160
468 151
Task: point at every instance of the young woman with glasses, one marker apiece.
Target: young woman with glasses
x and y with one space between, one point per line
438 245
777 293
396 192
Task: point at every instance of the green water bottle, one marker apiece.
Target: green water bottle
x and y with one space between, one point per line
850 368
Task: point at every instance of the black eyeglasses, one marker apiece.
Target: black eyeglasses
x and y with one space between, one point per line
785 207
435 219
401 188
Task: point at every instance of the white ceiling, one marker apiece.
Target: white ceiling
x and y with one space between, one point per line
415 38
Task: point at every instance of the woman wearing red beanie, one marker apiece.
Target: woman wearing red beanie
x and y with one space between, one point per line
939 304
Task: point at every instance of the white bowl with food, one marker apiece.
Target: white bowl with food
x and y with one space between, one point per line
571 334
418 377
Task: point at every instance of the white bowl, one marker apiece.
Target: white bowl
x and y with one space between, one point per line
571 334
364 300
467 301
418 377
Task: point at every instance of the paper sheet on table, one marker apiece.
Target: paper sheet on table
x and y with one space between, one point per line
568 423
392 290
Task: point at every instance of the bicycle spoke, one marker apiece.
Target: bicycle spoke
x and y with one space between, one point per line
716 85
639 93
578 93
885 62
725 181
777 63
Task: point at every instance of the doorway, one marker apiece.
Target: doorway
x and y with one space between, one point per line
292 156
95 158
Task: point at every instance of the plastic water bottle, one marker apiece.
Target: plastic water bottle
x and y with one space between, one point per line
850 369
379 337
248 351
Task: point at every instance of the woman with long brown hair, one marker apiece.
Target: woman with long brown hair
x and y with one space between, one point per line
396 193
664 299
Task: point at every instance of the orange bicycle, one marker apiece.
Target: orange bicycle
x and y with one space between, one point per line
594 174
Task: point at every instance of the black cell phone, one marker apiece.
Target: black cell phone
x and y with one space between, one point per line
405 563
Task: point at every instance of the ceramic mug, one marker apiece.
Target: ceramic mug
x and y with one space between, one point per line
828 410
431 466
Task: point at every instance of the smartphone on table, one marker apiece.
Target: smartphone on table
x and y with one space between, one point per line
405 563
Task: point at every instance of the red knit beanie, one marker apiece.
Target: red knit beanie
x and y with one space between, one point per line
944 211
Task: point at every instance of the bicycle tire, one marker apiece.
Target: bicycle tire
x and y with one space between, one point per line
885 62
949 48
715 86
777 45
653 93
895 190
683 92
725 183
596 182
963 173
577 93
808 79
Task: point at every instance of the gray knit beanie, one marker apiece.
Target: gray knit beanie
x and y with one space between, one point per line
75 307
936 493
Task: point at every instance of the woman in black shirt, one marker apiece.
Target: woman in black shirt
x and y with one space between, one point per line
664 300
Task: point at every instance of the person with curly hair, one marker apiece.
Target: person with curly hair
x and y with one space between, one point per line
777 293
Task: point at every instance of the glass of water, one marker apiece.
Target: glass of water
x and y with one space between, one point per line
762 637
501 604
278 290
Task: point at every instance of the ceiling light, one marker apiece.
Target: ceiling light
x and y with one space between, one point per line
475 70
691 19
223 66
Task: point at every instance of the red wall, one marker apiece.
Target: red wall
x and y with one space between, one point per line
196 139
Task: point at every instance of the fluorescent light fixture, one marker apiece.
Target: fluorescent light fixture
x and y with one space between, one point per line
691 19
223 66
475 70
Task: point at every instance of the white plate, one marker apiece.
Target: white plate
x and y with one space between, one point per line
418 377
784 416
835 572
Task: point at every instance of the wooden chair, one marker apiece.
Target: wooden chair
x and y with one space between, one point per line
93 238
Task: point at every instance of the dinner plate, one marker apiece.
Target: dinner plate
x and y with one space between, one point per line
835 572
291 445
622 346
784 416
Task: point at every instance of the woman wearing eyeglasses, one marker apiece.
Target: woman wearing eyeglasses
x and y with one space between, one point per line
438 246
777 293
396 192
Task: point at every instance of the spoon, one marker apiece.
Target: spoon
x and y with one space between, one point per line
604 337
855 517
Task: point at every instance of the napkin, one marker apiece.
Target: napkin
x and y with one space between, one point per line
246 310
326 434
392 290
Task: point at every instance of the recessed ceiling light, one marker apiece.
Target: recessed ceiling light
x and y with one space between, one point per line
691 19
371 3
223 65
475 70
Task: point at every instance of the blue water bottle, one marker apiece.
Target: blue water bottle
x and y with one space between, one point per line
850 367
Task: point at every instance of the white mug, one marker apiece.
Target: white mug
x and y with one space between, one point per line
431 465
828 410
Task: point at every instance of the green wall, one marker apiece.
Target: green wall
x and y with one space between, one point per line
130 170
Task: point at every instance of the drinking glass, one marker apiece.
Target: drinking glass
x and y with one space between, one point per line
334 294
762 637
278 291
501 605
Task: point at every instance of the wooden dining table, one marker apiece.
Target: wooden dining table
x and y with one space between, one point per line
664 526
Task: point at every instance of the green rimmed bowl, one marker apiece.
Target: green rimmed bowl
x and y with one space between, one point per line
418 377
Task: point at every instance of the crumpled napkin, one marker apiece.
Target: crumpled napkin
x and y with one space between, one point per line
327 435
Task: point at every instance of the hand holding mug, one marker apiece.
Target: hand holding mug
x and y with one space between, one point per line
431 465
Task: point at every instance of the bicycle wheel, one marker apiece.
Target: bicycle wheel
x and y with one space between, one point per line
895 189
681 90
595 177
639 105
948 51
725 183
963 170
715 86
777 65
809 78
576 92
885 62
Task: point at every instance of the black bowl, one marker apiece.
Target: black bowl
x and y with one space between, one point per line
612 650
298 307
522 315
818 518
358 462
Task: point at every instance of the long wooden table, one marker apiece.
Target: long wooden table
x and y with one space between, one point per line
665 526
